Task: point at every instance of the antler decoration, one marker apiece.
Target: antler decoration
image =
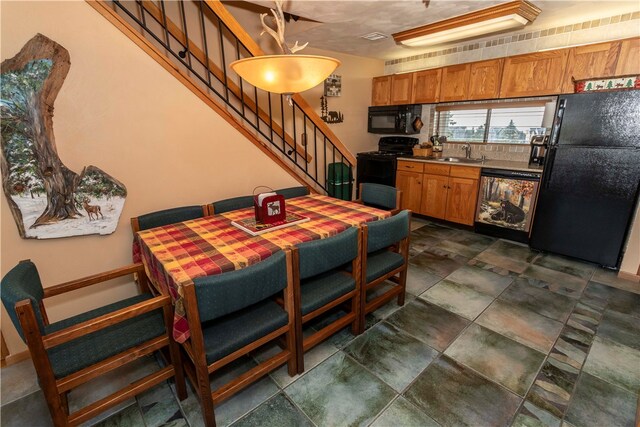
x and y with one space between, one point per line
278 33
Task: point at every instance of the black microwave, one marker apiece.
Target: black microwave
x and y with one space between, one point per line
395 119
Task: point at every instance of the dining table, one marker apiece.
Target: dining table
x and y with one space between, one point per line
176 254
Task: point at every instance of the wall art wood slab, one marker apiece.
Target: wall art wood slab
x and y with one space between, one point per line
47 199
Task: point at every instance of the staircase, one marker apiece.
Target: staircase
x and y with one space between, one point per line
195 40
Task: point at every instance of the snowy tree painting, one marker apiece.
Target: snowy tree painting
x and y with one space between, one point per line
47 199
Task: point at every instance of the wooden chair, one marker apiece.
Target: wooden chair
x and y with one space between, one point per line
380 196
226 205
168 216
72 351
326 274
291 192
231 314
385 257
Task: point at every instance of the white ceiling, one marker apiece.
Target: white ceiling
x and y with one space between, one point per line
338 25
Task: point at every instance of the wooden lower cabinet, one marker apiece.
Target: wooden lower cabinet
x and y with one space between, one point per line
461 200
442 191
434 196
410 183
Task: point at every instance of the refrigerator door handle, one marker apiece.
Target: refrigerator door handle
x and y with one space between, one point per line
548 167
557 124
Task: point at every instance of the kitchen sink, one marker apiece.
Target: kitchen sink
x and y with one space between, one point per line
458 160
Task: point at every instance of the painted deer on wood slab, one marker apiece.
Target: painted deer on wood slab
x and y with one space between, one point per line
91 209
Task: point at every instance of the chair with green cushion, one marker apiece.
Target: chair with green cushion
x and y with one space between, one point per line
384 260
167 216
232 314
291 192
73 351
327 274
380 196
226 205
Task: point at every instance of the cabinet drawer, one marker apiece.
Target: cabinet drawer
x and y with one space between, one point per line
410 166
436 169
465 172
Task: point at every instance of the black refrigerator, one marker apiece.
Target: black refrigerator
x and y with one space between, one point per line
591 177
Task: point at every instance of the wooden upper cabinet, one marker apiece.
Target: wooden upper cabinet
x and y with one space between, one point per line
381 90
629 59
455 82
426 86
485 78
592 61
401 88
533 74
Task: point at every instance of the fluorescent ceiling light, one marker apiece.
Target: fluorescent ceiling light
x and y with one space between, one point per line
502 17
468 31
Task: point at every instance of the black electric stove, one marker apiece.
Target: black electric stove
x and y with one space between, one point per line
379 166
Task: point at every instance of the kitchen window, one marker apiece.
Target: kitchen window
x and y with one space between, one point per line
500 123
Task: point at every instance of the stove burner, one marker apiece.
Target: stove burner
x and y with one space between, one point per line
381 153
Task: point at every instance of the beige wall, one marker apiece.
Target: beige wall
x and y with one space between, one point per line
119 110
356 73
631 261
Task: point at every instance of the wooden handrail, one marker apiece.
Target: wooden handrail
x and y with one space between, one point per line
228 19
176 32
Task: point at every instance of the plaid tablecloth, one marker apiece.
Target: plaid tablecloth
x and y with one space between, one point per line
174 255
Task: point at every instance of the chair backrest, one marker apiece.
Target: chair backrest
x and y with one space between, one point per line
225 293
318 256
386 232
379 196
20 283
168 216
226 205
292 192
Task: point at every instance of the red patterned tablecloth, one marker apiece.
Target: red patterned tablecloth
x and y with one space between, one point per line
175 254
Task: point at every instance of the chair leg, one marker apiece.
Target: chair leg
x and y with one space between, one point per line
363 305
299 344
206 399
292 363
178 369
57 407
357 327
174 351
403 284
64 398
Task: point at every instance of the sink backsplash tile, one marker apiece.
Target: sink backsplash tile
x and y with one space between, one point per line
516 153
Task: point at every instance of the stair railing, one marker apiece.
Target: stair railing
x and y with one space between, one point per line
201 38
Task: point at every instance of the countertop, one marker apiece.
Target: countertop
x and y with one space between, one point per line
495 164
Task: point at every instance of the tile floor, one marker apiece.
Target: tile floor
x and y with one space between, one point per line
492 334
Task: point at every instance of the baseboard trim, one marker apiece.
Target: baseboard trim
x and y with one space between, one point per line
12 359
629 276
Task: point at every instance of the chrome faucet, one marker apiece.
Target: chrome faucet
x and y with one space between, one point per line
467 149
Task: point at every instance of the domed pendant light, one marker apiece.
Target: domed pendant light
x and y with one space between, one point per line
287 73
